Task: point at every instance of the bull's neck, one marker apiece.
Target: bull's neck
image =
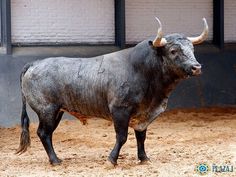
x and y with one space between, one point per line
142 58
168 77
162 78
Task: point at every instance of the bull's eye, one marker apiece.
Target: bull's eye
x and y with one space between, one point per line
173 51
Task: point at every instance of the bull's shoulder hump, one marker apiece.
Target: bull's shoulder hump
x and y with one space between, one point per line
122 54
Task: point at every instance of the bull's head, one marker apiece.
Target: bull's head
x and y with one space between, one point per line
177 51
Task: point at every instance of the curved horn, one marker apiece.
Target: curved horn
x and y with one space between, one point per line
159 41
202 37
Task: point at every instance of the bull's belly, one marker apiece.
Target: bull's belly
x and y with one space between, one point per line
84 118
134 122
139 122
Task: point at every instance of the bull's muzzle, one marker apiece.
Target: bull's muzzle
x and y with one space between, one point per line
196 69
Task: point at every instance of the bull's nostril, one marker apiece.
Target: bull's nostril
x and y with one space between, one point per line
196 69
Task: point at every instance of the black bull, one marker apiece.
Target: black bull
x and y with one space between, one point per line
130 87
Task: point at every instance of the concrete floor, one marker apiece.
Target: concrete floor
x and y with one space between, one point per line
215 87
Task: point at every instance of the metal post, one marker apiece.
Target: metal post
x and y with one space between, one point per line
218 23
1 23
120 23
6 25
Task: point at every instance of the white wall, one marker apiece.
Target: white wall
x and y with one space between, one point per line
230 20
92 21
56 21
177 16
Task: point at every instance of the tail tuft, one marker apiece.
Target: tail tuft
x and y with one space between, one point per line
24 142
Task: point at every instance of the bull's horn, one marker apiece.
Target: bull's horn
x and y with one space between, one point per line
159 41
202 37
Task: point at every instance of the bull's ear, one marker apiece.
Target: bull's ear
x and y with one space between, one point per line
150 43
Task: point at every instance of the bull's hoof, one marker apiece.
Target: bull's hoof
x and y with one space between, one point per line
109 166
112 161
145 161
55 162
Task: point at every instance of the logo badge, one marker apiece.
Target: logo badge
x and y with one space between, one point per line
202 168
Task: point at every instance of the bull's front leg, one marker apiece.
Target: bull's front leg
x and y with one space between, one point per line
140 137
121 117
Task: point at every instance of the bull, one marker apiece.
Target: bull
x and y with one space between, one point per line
130 87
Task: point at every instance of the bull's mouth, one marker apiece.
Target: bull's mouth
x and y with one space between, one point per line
190 73
197 73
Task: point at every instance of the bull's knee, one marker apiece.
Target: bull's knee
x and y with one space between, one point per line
122 139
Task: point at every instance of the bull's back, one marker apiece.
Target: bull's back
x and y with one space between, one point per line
77 85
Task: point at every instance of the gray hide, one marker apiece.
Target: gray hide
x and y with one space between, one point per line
135 78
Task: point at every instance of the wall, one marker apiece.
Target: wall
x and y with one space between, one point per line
180 16
92 21
62 21
230 20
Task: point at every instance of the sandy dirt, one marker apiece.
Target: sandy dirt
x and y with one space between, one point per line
176 143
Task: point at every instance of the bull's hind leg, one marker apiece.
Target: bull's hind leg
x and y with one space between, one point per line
121 119
140 137
48 122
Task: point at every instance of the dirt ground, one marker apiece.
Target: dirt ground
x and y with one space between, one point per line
176 143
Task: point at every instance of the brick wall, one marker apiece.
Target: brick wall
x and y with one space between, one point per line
181 16
230 21
92 21
62 21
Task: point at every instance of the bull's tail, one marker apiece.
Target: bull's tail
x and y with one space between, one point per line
25 135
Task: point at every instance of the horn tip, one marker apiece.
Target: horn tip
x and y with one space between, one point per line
159 22
157 19
204 19
205 23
